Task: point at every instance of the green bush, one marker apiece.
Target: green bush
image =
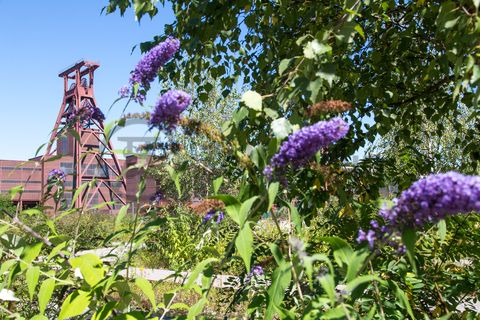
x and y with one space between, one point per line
88 229
184 240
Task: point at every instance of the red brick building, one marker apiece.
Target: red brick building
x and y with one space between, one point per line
31 175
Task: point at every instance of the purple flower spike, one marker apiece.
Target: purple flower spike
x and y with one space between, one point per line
257 271
56 175
148 66
157 197
304 143
431 199
124 91
168 109
208 216
428 200
220 217
369 236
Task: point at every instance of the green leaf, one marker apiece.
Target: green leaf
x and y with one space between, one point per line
402 298
314 89
315 48
175 176
272 193
45 293
475 74
346 33
233 212
442 230
31 277
354 265
252 100
361 280
29 254
104 312
239 115
196 309
327 72
199 268
281 128
75 304
409 238
342 251
360 31
309 262
216 184
14 191
90 266
147 289
77 194
120 215
226 199
283 66
133 315
245 209
281 278
39 317
32 212
448 15
244 245
56 250
335 313
108 129
328 284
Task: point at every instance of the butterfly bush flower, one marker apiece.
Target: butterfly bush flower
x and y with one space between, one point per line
56 175
220 217
257 271
124 92
428 200
168 109
85 114
304 143
211 214
93 113
157 197
148 66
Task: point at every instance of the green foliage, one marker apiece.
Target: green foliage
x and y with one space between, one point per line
411 71
6 204
183 240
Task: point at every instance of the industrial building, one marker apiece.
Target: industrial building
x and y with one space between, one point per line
79 147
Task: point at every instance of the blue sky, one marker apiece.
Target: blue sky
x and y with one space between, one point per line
41 38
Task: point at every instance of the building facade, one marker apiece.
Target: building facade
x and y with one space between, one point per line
31 175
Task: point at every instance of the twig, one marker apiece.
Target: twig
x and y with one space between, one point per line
294 273
377 293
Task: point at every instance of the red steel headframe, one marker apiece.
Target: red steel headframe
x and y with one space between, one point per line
87 145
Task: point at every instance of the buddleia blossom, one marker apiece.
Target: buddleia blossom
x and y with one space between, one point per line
85 114
257 271
148 66
428 200
124 92
211 214
168 109
304 143
56 175
157 197
90 112
220 217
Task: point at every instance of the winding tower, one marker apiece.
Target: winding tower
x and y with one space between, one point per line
79 140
